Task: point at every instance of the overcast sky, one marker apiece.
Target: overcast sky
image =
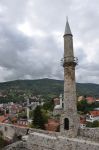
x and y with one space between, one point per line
31 38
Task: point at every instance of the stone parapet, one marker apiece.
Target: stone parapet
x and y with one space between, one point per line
47 142
91 133
88 139
17 146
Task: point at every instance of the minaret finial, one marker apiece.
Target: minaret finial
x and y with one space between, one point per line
67 28
66 18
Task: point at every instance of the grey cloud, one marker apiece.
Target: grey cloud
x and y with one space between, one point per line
23 56
11 42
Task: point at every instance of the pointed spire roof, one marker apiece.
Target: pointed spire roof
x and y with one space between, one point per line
67 28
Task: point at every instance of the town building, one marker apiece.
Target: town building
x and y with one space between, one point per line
82 122
58 108
90 100
92 116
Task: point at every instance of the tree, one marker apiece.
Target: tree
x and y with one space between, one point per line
84 107
38 118
49 105
93 124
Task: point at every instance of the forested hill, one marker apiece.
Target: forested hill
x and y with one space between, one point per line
49 86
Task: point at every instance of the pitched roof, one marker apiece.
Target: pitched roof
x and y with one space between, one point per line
94 113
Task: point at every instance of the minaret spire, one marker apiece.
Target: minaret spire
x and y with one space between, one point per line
67 28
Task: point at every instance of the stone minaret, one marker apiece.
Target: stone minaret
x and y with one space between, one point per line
69 119
28 110
60 98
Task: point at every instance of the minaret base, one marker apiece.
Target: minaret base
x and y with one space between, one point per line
68 125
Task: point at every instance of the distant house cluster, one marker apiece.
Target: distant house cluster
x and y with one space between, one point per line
18 114
91 115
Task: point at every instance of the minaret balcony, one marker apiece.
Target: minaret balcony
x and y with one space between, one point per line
69 61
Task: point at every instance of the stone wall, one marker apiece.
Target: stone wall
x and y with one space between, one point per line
17 146
10 130
92 133
88 139
40 141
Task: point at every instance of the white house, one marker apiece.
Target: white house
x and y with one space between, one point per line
92 116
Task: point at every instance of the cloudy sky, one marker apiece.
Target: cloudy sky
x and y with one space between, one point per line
31 38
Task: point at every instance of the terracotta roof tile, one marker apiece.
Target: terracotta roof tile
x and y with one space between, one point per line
94 113
2 118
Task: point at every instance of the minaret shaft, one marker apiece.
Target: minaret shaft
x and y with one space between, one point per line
69 74
69 120
69 89
68 48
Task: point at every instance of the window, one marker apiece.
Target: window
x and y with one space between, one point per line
66 124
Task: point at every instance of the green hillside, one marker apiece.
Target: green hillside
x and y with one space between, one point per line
40 86
48 87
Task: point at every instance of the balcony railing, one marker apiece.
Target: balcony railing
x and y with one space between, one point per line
69 61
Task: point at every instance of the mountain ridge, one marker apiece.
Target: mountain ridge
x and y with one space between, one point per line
48 86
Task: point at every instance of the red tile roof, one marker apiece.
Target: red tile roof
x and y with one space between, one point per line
82 120
2 118
94 113
90 98
52 125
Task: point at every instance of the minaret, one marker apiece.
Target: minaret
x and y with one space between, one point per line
69 119
60 97
28 110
